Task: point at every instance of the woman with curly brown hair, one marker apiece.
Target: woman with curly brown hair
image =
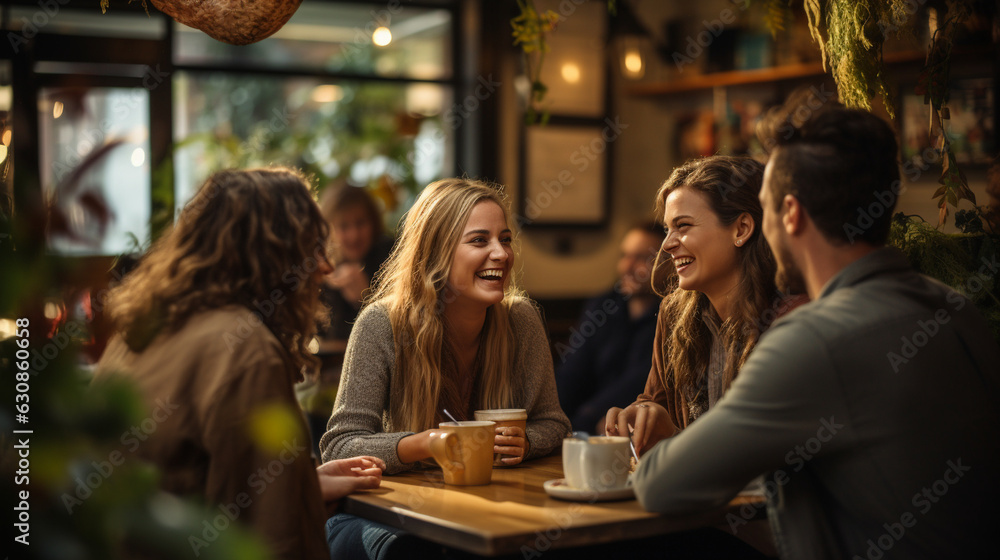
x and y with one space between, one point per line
213 330
725 297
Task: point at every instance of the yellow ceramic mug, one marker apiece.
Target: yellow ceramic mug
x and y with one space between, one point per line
465 451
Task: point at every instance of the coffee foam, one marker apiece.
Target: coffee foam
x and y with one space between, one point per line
497 414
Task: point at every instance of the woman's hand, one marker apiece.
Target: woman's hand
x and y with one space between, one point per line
415 447
344 476
512 442
650 423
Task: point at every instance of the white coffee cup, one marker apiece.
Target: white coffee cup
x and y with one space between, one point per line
599 464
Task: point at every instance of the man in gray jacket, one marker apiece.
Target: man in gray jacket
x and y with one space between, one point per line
871 410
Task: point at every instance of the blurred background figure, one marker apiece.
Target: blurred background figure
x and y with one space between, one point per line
358 245
607 358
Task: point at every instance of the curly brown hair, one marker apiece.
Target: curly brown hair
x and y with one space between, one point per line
248 237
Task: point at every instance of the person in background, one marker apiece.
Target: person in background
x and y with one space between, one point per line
359 247
608 361
872 408
446 328
726 295
214 335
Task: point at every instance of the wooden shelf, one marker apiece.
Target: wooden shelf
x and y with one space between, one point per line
744 77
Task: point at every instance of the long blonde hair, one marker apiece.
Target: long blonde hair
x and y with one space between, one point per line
244 236
731 186
413 286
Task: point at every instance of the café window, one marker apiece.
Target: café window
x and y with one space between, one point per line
368 132
351 90
344 90
95 150
383 40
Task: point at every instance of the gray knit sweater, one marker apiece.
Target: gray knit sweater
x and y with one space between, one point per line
359 424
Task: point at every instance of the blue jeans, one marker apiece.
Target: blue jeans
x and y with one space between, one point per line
355 538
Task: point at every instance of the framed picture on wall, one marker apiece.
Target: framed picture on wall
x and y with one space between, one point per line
565 176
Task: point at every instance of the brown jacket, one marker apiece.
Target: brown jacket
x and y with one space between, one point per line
204 385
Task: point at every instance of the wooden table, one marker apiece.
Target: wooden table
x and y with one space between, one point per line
513 514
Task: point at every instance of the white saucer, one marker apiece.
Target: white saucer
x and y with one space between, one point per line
557 488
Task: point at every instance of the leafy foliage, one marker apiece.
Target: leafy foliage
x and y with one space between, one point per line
954 185
933 84
368 126
965 261
530 31
850 35
852 50
779 16
90 497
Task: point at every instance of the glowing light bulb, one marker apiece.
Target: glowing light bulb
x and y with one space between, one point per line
570 72
633 63
382 36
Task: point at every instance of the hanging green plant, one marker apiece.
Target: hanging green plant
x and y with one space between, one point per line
530 31
779 16
933 85
850 35
963 260
852 49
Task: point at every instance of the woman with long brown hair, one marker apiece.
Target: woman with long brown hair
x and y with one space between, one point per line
725 295
213 330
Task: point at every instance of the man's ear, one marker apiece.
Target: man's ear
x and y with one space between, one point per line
792 215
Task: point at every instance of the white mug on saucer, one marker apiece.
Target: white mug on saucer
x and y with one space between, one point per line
599 464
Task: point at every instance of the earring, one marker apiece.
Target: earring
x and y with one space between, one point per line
739 242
